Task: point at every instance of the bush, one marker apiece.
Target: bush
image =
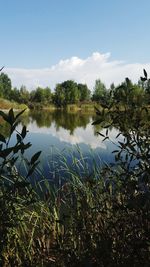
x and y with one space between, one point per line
99 219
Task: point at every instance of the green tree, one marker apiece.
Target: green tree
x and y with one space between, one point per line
24 95
146 87
5 86
99 91
129 94
71 92
66 93
59 96
15 95
47 95
84 92
41 95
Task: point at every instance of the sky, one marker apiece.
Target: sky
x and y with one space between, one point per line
44 42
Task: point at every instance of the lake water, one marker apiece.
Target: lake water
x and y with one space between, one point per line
60 133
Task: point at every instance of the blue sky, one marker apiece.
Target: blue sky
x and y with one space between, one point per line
37 34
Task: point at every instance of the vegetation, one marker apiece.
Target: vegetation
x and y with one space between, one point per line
6 104
97 217
72 95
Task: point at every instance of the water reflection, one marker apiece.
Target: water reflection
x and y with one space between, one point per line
68 121
63 130
71 128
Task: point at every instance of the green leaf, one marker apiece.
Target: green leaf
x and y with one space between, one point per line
13 127
97 111
6 152
127 81
32 169
115 151
143 79
100 134
11 116
105 138
97 122
145 73
18 115
19 138
24 131
4 115
118 135
35 157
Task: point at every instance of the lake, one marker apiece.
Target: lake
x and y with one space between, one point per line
58 133
66 140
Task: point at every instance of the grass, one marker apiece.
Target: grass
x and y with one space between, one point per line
87 217
6 104
77 223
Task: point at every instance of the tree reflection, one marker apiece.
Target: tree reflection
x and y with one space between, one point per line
70 121
66 120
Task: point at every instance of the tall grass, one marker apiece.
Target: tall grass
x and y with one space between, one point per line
82 216
6 104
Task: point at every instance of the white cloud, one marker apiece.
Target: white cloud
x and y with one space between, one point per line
81 70
79 136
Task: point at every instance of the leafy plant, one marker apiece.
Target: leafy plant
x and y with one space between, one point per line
16 191
99 218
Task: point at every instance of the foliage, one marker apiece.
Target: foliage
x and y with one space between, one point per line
7 104
129 94
16 191
95 217
99 91
41 95
71 93
66 93
84 92
5 86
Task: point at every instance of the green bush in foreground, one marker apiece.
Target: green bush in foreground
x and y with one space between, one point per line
99 219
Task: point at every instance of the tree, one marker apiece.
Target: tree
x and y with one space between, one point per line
71 92
129 94
99 91
41 95
146 87
24 95
59 96
5 86
47 95
84 92
15 95
66 93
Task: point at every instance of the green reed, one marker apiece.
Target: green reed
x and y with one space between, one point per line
95 216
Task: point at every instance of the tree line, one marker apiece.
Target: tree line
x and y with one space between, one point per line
71 92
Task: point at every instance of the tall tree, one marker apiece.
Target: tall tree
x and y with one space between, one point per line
99 91
84 92
41 95
24 95
5 86
15 95
59 96
66 93
129 94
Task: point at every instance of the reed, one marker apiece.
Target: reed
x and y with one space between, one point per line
76 216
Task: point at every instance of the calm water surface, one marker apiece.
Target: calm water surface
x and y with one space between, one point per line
61 132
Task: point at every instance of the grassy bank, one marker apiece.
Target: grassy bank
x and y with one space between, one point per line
6 104
81 106
70 107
